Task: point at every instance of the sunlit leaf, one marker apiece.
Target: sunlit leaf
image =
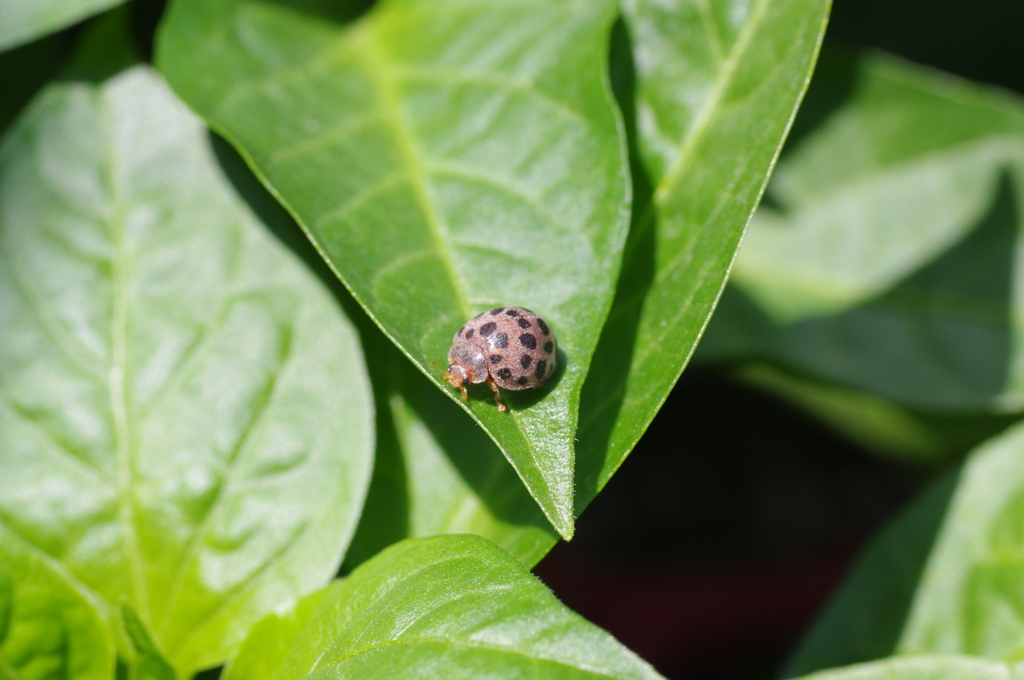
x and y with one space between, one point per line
717 85
185 420
436 472
453 606
49 625
447 158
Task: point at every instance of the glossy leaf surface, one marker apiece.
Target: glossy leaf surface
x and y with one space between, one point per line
454 606
716 86
891 272
185 420
22 21
447 158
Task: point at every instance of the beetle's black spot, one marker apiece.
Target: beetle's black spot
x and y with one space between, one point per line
523 323
525 360
496 358
504 373
488 328
539 371
499 341
496 310
543 326
469 334
528 341
522 380
548 346
512 312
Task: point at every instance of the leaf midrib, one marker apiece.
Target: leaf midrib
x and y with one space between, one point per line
118 374
375 62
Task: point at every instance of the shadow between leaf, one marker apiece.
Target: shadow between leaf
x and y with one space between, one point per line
604 390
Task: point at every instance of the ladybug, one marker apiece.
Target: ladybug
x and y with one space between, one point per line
508 347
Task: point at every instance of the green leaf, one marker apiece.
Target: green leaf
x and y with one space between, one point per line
49 625
446 158
147 662
891 272
924 668
263 653
22 21
436 472
453 606
971 598
717 85
185 419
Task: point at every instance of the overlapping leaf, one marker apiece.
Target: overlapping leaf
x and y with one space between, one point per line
185 420
893 271
436 472
453 606
717 85
447 158
25 20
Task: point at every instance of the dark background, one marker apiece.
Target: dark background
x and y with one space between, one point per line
722 535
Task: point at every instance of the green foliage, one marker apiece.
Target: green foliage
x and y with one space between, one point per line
891 274
452 606
925 668
25 20
444 163
185 421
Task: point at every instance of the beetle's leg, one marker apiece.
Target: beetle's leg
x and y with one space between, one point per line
462 386
497 394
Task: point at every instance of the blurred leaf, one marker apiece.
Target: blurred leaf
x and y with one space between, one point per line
453 606
971 598
22 21
924 668
49 626
266 647
882 426
717 85
867 615
447 158
185 420
944 578
893 271
148 663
